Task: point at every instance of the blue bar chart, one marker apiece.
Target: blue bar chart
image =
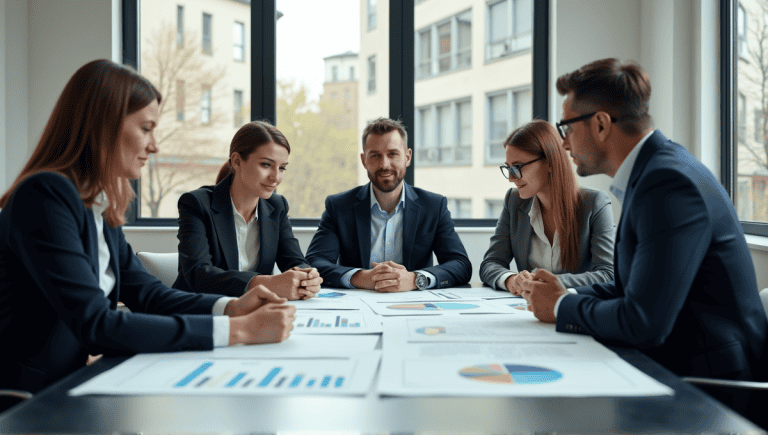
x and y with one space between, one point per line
333 319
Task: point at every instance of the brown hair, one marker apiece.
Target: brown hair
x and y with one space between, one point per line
540 138
80 139
250 137
622 90
383 126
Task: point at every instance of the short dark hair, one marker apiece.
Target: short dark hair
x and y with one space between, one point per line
383 126
622 90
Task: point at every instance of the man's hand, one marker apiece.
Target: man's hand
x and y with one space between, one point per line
254 298
311 285
390 277
363 279
271 323
513 283
542 293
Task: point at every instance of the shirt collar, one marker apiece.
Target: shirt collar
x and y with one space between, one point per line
100 204
236 213
621 179
375 202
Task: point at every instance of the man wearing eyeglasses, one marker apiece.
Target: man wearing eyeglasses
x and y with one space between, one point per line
684 290
381 236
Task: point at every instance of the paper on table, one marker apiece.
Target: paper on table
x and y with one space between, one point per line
330 299
148 374
447 294
362 321
412 308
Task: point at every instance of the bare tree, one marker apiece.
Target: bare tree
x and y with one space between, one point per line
187 128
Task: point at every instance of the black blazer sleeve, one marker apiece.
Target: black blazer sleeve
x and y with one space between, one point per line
453 268
324 250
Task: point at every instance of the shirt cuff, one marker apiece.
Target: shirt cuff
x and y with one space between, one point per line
502 282
220 331
220 306
346 279
571 291
432 278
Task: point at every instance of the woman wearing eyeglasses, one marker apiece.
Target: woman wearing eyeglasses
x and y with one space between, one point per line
548 222
232 234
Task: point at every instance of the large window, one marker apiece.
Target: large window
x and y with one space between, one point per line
452 116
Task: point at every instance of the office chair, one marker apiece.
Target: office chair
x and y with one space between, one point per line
164 267
722 387
9 398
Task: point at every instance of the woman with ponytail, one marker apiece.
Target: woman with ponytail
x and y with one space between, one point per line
232 234
548 222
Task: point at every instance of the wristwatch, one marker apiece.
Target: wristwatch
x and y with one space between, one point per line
422 282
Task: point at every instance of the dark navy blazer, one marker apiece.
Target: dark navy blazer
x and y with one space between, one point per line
685 290
52 311
208 254
344 237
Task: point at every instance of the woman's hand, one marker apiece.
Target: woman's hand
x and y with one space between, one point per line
514 282
292 284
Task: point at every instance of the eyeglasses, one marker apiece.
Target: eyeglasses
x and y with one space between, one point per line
564 128
516 171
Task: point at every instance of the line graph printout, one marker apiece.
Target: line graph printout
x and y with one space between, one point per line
336 322
166 374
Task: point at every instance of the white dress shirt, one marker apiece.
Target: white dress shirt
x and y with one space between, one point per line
542 254
107 276
247 239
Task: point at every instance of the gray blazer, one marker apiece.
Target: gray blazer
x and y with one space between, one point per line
513 240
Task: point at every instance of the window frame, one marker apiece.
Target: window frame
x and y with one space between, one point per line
427 68
242 38
180 26
401 78
455 132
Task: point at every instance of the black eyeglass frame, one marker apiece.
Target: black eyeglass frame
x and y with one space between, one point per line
516 170
561 125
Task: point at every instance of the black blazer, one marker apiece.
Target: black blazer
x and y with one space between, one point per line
208 256
344 237
685 290
52 311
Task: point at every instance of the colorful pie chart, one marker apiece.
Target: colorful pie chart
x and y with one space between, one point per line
330 295
431 330
436 306
510 374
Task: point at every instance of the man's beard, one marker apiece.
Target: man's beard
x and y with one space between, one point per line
389 186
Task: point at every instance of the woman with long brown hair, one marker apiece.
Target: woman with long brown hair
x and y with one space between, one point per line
232 234
64 262
548 222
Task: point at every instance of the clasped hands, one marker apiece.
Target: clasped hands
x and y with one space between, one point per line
541 289
293 284
386 277
259 316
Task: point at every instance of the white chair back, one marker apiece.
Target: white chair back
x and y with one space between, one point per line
163 266
764 298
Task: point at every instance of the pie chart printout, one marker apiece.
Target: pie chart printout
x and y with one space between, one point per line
433 306
431 330
510 374
330 295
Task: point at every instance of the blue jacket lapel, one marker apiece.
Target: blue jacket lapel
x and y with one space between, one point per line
109 236
410 223
223 220
363 224
268 231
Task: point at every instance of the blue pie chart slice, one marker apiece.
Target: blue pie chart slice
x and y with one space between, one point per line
510 374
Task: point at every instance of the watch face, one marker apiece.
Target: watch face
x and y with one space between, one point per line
421 281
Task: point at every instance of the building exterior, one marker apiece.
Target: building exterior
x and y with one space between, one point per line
340 87
473 87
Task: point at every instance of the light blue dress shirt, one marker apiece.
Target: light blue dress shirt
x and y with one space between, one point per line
386 238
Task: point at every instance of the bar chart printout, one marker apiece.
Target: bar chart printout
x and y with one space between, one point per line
337 375
321 320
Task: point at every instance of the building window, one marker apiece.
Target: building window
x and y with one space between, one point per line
493 208
180 100
460 208
371 14
444 134
179 26
205 105
351 74
507 110
238 38
444 46
347 94
238 101
334 74
372 74
510 24
207 33
742 114
741 31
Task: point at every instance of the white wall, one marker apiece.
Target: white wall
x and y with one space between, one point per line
14 139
